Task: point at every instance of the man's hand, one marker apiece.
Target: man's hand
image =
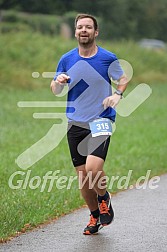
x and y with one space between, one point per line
62 79
111 101
58 85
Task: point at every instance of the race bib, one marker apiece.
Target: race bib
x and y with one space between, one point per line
101 127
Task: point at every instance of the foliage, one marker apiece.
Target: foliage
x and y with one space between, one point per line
46 24
130 19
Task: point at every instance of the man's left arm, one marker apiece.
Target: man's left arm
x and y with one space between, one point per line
113 100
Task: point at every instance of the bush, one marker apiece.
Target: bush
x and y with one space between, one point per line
46 24
14 27
69 18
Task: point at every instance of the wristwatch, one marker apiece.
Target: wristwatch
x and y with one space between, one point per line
118 92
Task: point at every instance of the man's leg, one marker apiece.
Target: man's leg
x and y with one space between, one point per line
89 195
94 166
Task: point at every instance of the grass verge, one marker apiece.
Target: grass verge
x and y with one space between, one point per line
138 144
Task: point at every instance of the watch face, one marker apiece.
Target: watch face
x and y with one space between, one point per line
118 92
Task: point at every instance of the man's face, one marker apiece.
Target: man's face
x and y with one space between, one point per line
85 32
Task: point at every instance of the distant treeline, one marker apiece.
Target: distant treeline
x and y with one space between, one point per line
128 19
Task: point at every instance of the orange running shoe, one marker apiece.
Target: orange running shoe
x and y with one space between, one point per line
106 212
93 226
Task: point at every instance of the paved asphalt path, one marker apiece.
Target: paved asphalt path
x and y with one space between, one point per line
140 224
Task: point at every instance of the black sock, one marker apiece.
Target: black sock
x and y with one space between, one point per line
104 197
95 213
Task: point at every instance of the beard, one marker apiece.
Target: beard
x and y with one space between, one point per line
86 41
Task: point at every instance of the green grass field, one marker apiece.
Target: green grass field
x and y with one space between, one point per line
138 144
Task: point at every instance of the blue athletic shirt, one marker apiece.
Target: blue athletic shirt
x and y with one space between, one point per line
89 84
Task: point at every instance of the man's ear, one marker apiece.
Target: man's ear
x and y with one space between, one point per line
96 33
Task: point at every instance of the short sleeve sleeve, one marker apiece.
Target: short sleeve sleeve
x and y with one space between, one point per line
60 69
115 70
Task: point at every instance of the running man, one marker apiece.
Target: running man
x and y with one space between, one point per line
87 70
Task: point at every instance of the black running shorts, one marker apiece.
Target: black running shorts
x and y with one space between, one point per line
81 144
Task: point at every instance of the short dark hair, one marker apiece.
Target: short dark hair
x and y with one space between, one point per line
83 15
